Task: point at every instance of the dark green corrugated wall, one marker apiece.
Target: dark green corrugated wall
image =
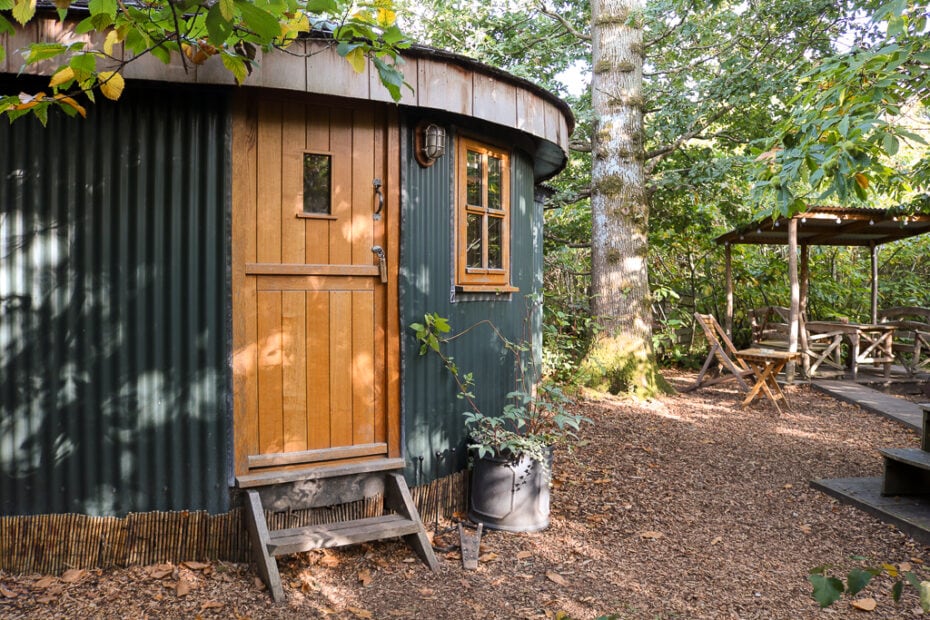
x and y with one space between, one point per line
113 372
433 422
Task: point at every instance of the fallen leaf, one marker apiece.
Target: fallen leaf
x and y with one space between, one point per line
603 481
197 565
905 567
716 540
556 578
211 605
159 571
73 575
45 600
789 486
426 592
259 583
361 613
805 528
45 582
7 593
598 518
409 560
524 555
865 604
364 577
184 587
651 535
487 557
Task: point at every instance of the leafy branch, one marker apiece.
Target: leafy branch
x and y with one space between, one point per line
195 31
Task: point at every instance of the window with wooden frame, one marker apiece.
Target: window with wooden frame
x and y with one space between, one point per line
482 218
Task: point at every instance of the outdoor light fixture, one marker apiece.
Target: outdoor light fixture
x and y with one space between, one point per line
430 143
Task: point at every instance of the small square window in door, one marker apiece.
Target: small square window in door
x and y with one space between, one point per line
317 184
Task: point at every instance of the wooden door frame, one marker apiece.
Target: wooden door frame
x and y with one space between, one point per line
244 144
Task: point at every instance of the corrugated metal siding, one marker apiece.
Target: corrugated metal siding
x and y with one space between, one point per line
113 375
432 414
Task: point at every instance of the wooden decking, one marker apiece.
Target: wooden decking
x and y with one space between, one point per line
902 496
898 409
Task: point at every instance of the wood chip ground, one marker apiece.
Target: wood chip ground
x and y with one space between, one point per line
685 507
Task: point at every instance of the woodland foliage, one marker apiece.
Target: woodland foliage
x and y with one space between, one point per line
751 109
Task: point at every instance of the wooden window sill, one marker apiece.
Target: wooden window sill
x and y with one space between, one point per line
495 289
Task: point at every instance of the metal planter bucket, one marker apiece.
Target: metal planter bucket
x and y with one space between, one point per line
510 494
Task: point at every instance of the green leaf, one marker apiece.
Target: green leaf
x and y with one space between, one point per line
235 65
856 580
390 77
218 25
896 591
6 5
322 6
43 51
103 7
227 9
827 590
261 22
925 595
24 10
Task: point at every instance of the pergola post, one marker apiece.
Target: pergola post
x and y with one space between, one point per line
795 294
728 254
802 304
874 249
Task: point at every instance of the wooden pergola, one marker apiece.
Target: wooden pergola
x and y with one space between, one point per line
840 226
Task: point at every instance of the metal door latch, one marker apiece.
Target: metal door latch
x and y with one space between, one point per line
377 185
378 251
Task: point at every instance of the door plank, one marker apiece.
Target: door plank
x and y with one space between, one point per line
318 141
268 223
363 367
318 384
270 354
390 315
294 370
363 191
293 230
340 237
243 250
340 374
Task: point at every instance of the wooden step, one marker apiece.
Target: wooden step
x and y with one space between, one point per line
915 457
318 472
907 471
299 539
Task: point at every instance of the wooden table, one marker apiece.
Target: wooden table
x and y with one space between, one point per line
766 364
869 343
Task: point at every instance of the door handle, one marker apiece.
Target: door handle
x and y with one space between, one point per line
377 185
378 251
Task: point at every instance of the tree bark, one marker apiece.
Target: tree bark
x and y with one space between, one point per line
621 359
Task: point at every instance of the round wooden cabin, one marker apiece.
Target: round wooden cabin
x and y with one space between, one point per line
206 287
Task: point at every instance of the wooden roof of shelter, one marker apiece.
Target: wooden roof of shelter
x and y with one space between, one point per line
833 226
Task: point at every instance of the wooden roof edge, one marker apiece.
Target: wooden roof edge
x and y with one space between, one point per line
768 223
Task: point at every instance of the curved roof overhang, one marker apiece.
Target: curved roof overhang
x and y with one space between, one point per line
840 226
441 81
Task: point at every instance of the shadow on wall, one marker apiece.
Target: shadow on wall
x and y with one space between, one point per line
113 373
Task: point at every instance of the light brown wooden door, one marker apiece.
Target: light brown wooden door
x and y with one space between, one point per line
315 343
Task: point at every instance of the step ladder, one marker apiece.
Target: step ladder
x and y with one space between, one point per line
322 486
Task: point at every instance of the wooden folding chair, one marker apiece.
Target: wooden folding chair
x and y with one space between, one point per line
720 357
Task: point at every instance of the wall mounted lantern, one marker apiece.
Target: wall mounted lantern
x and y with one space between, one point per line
430 143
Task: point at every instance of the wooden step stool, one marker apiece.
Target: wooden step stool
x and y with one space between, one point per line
322 486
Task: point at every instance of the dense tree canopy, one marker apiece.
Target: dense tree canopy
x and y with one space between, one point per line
724 81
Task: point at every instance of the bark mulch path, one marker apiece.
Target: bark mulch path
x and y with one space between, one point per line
686 507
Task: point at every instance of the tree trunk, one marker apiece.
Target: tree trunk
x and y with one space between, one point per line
621 359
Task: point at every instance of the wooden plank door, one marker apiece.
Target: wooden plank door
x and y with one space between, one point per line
315 342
